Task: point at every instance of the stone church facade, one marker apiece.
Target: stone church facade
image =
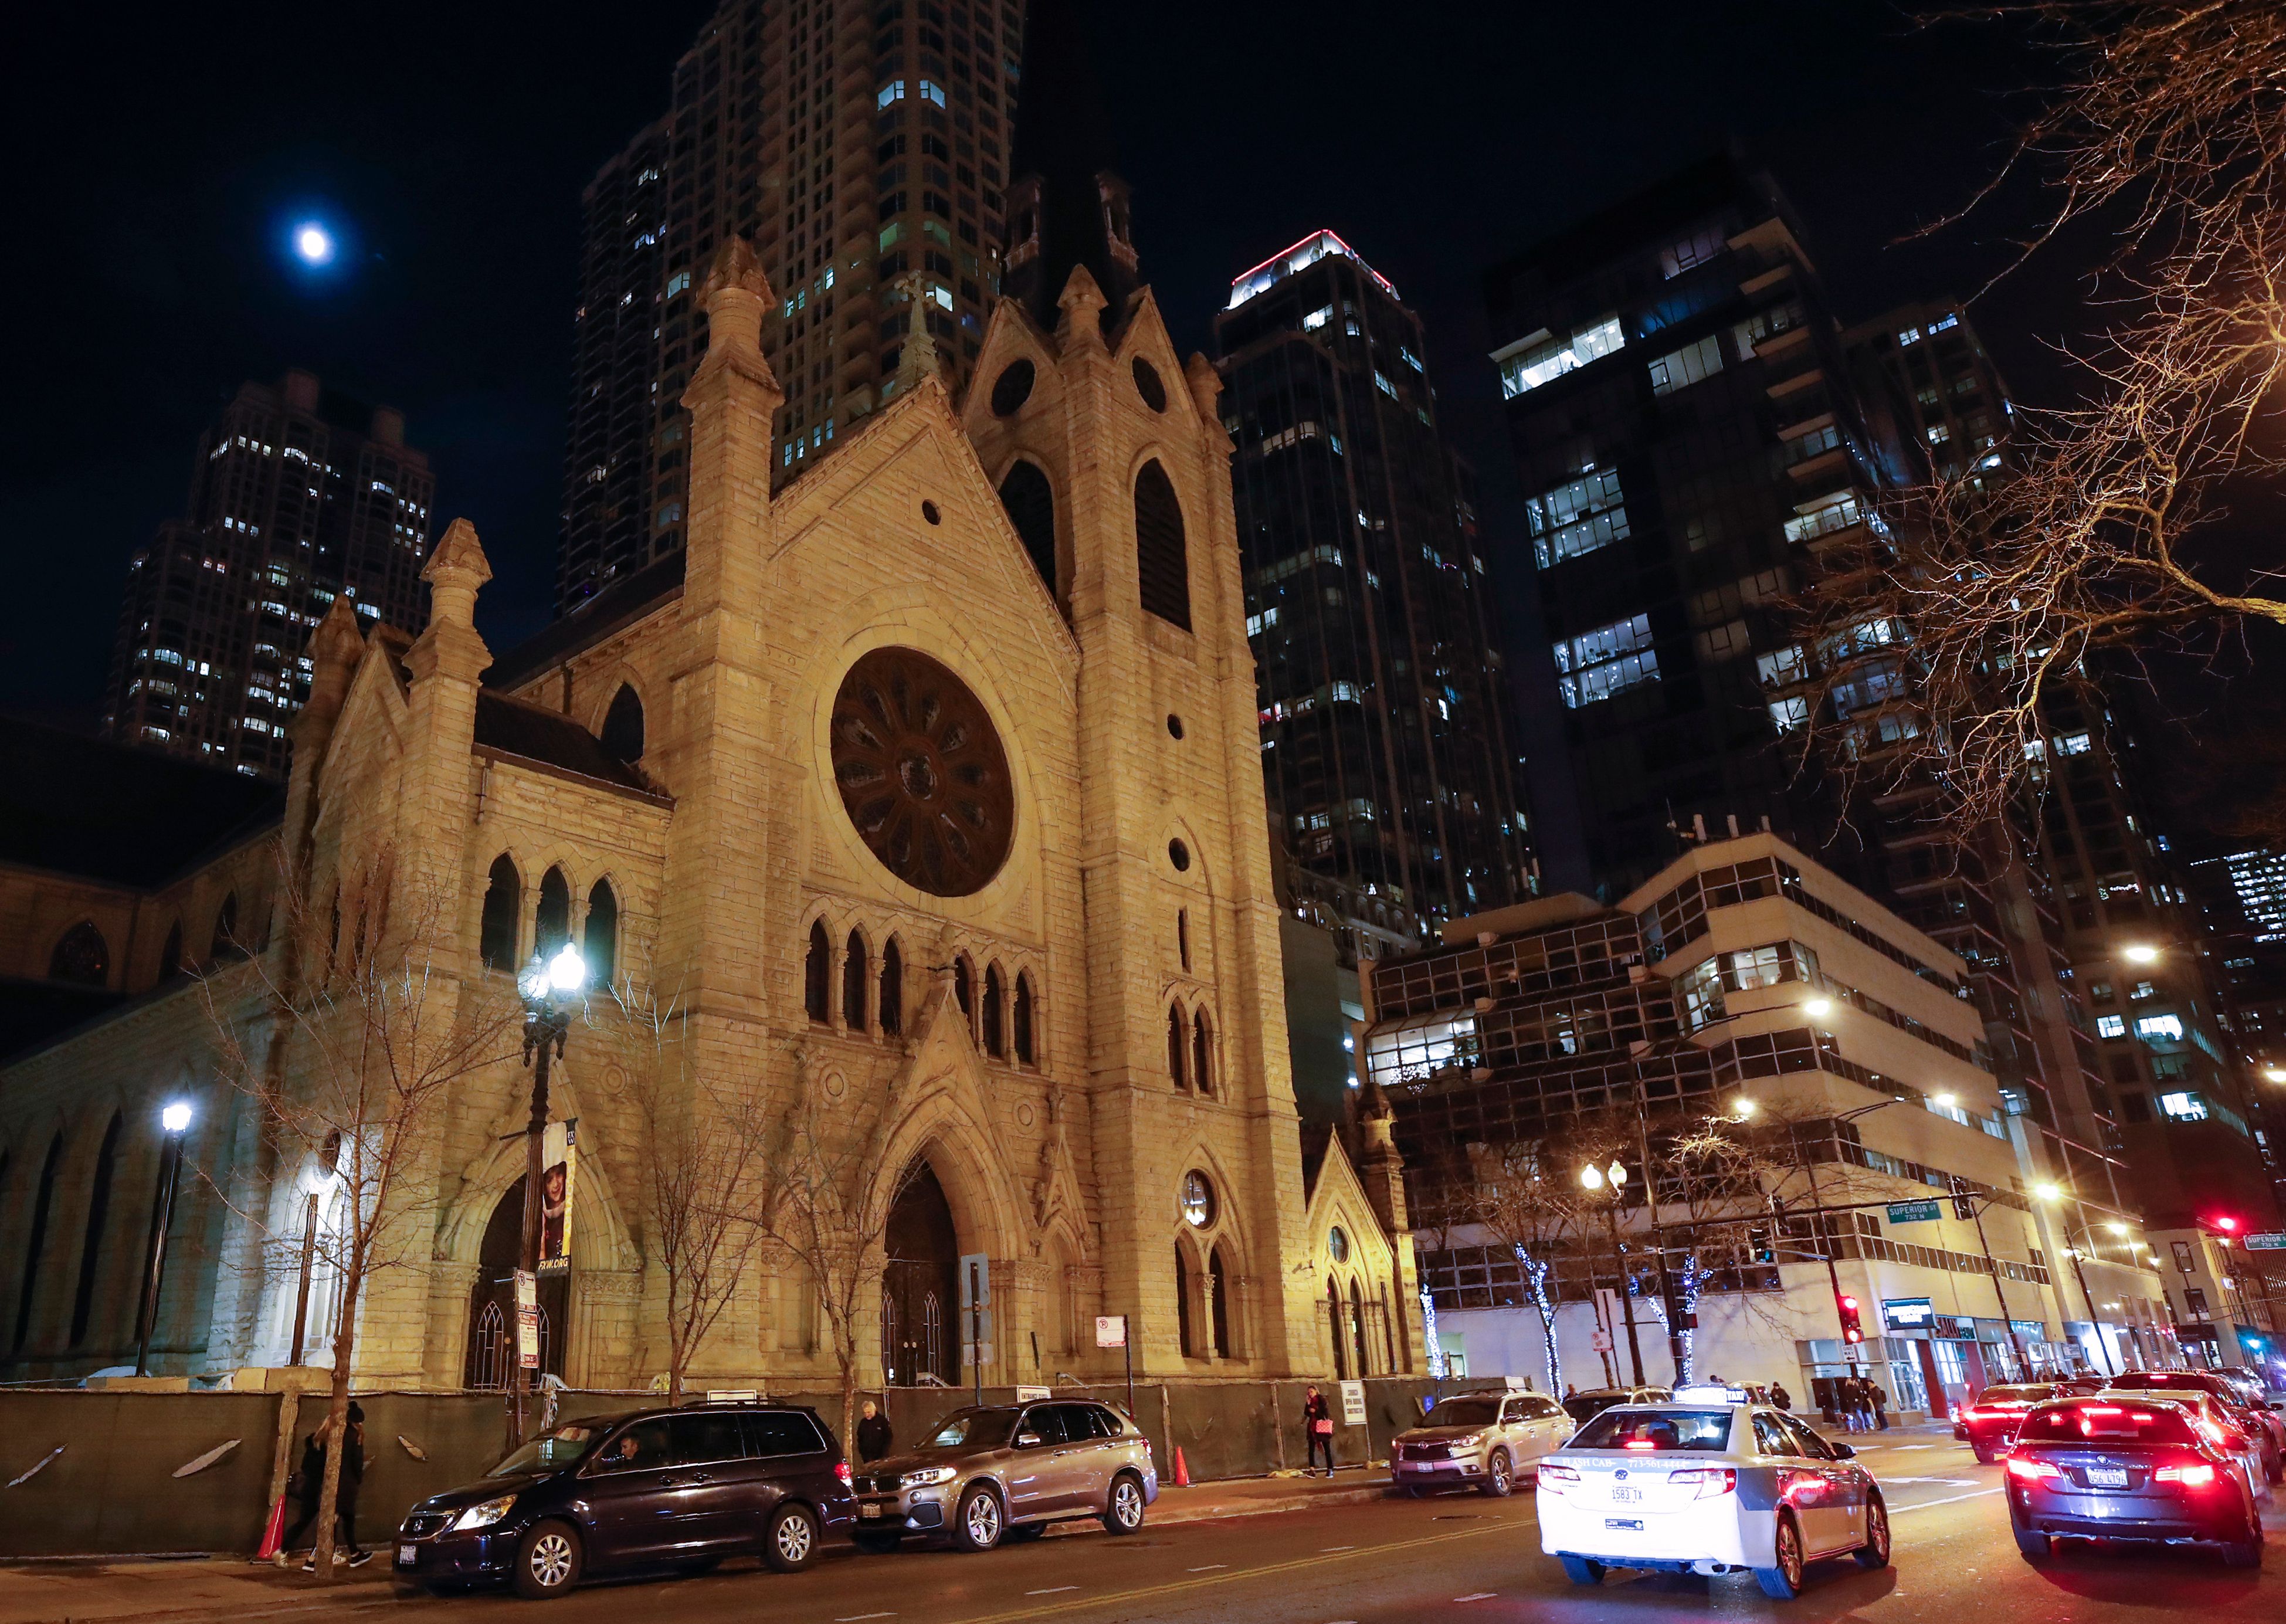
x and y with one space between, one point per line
929 776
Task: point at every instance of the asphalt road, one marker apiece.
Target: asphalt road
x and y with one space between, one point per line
1455 1556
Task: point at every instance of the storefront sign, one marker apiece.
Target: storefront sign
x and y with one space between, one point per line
1907 1313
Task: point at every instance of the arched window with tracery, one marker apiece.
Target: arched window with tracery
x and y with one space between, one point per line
1183 1301
99 1212
551 923
1357 1328
1031 504
623 725
854 978
503 909
1202 1054
1183 936
1162 566
1177 1031
1024 1016
1220 1265
817 975
600 940
171 953
1334 1328
1388 1332
82 956
995 1037
893 988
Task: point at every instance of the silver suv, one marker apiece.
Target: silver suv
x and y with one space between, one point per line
1485 1440
1007 1472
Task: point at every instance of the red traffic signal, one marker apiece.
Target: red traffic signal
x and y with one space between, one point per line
1852 1330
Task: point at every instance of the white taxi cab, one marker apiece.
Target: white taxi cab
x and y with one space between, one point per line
1707 1483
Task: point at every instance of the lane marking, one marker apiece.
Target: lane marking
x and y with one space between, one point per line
1047 1610
1052 1590
1480 1595
855 1617
1325 1549
1948 1499
1208 1568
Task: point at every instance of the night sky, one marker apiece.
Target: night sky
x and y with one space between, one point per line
161 165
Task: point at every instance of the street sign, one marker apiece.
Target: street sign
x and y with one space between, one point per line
1915 1211
1111 1330
1353 1404
527 1320
976 1267
1907 1313
2273 1242
1601 1341
1033 1395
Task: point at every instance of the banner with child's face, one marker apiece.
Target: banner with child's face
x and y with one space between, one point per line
559 1164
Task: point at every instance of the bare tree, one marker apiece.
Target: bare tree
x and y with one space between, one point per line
1528 1196
827 1193
358 1035
700 1146
2166 127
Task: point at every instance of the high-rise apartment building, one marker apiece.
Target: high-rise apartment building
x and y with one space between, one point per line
853 142
1384 742
298 493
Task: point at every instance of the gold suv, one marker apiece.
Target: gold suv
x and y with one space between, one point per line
1006 1472
1486 1440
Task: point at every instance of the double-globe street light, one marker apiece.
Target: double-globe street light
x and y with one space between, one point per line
552 989
1614 1179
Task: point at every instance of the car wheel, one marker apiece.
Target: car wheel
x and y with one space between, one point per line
1500 1478
547 1561
2032 1546
1985 1457
1024 1533
1581 1570
1874 1553
1782 1580
978 1523
790 1541
1123 1512
876 1542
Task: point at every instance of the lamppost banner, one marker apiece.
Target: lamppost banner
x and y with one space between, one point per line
559 1160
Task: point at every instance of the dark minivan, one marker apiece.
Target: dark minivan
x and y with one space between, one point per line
657 1488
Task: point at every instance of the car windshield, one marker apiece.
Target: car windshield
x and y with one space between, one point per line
2087 1421
2014 1395
972 1430
2189 1381
1462 1412
548 1452
1701 1432
1588 1406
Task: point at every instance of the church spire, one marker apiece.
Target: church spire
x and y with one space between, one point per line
1067 206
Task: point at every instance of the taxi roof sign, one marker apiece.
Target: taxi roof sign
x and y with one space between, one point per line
1707 1392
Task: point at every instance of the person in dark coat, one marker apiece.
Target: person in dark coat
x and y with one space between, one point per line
873 1435
1780 1397
345 1492
1318 1422
1880 1396
308 1483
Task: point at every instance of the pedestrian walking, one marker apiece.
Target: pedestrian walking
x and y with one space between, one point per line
1864 1406
303 1489
1880 1396
311 1481
1780 1397
874 1434
1318 1421
1846 1401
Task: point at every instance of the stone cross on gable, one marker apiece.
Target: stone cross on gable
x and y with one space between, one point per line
918 358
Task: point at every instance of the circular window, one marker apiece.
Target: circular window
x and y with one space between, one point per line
1179 855
1198 1199
1174 725
921 772
1011 389
1148 385
929 512
1338 1244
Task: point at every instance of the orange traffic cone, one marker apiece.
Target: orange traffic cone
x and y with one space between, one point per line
1182 1472
274 1533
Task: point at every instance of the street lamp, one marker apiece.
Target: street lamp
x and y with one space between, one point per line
175 1119
2274 1074
2054 1193
2139 953
1615 1178
550 989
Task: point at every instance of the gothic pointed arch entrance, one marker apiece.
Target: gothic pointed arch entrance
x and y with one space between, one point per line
492 1302
920 1292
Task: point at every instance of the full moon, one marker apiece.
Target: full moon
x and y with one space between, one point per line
313 244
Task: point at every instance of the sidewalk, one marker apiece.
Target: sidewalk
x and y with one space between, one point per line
99 1590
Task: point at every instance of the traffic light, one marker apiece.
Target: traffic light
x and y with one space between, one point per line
1763 1239
1852 1332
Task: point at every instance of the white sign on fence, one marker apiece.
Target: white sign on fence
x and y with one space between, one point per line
1353 1404
1111 1330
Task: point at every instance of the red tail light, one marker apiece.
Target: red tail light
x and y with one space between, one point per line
1639 1443
2032 1471
2191 1475
1712 1481
1549 1472
842 1470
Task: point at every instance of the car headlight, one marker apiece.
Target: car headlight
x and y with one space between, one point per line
484 1515
1468 1442
927 1475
